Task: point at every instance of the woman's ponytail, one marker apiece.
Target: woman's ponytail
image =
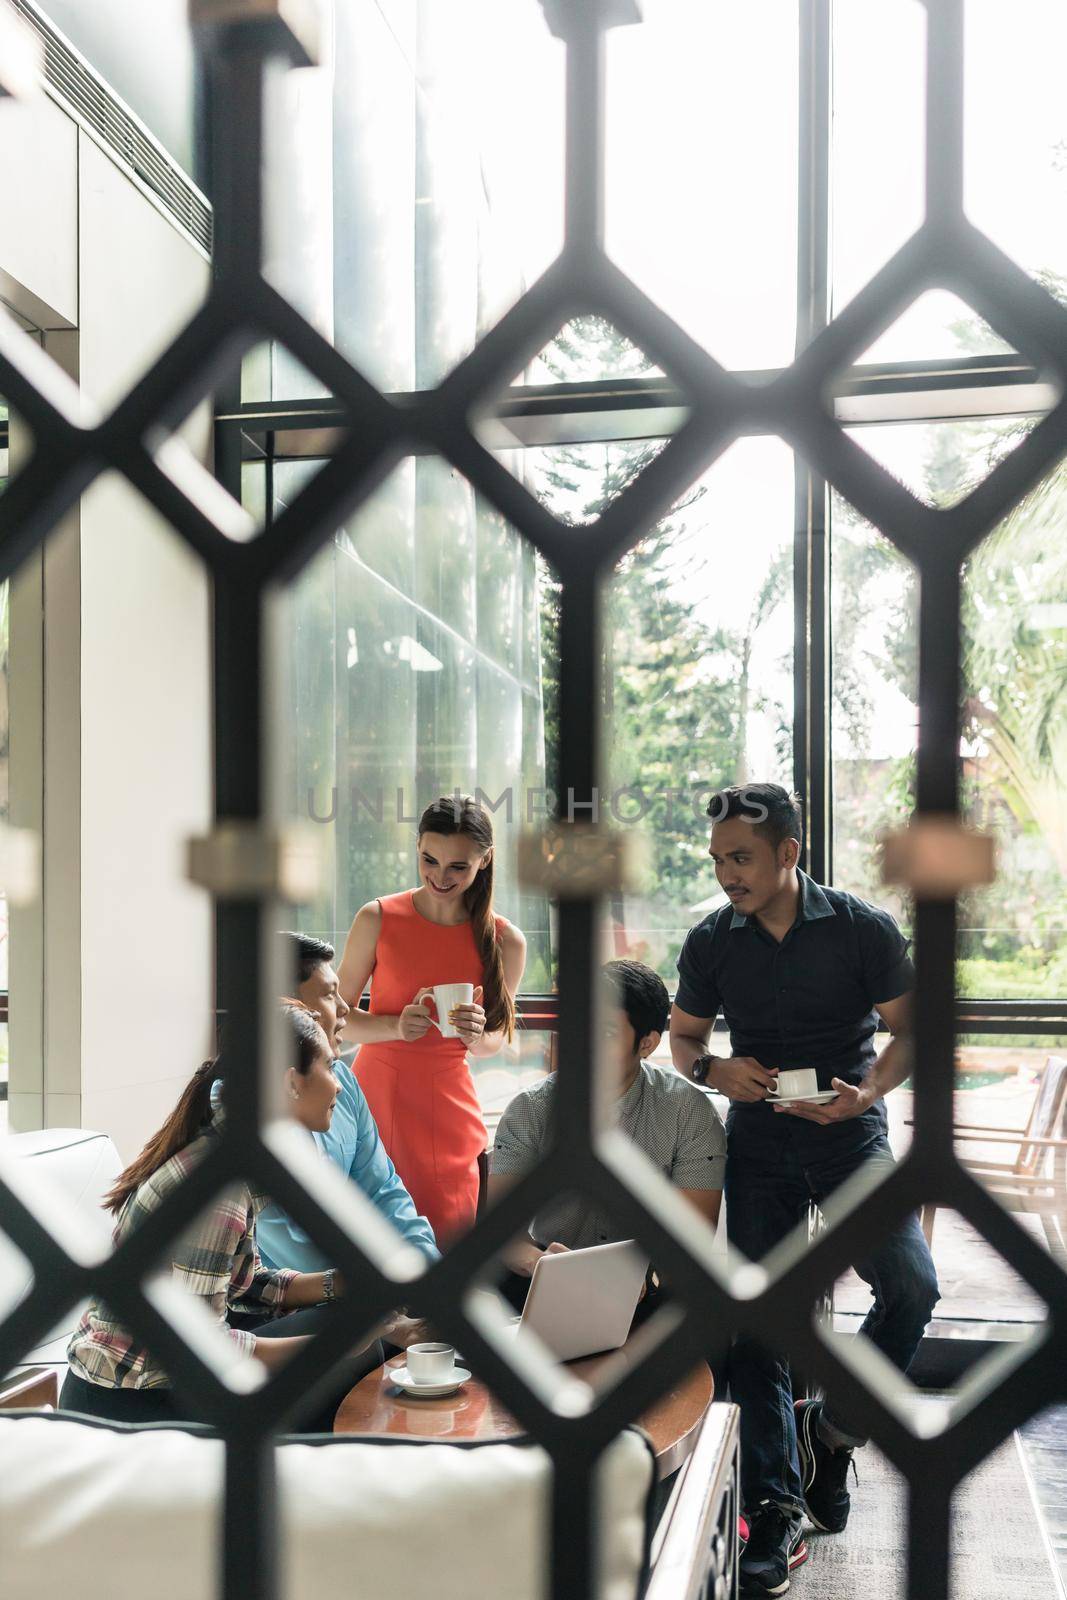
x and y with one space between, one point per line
496 1001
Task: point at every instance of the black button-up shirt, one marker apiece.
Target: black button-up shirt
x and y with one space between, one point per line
805 1002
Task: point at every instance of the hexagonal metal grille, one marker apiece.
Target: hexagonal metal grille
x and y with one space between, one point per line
243 310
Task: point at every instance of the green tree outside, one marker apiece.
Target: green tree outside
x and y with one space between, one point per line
678 694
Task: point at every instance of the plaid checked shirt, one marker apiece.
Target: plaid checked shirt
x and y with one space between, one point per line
216 1259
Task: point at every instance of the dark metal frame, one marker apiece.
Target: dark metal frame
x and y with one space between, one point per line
541 1011
635 408
243 310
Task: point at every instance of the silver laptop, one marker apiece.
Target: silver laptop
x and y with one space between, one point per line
582 1301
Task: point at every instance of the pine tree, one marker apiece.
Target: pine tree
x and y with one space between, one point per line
676 694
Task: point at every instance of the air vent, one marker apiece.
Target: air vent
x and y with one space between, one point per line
75 82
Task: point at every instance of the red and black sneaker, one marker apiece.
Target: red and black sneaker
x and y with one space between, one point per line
775 1548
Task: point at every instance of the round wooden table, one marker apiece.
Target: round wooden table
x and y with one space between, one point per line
377 1406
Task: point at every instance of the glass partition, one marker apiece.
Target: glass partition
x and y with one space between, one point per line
424 192
413 658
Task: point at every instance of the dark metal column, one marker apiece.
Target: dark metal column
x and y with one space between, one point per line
811 535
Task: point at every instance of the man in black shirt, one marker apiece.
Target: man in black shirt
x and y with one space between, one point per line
802 975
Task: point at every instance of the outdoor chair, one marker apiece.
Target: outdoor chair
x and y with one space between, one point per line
1035 1181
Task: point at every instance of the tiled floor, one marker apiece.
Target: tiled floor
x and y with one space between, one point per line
1045 1449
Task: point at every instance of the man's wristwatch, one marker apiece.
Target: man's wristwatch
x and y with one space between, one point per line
699 1070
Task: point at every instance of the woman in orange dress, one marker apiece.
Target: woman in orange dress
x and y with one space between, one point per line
417 1083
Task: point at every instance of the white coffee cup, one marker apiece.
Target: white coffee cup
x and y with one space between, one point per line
430 1363
446 996
795 1085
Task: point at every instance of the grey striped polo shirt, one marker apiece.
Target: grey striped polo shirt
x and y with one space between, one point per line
675 1124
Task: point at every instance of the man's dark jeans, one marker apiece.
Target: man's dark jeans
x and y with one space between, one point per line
768 1189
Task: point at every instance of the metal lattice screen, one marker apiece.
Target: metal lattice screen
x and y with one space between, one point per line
240 862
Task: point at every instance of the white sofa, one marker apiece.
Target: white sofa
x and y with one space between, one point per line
137 1512
79 1167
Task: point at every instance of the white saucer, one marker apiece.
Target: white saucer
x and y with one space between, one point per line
803 1099
403 1380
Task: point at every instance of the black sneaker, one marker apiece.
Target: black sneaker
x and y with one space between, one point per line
823 1472
775 1546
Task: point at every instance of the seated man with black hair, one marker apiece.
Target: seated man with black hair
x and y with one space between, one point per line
352 1141
675 1124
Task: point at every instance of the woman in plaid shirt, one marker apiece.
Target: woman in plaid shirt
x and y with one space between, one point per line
110 1374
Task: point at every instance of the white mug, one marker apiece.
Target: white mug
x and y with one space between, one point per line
430 1363
795 1085
446 996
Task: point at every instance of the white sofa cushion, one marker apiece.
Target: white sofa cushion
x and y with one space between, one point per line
80 1163
79 1167
137 1512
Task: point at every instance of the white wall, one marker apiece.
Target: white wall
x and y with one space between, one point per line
39 213
124 699
39 280
147 942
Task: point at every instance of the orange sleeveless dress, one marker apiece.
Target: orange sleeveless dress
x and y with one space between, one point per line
421 1094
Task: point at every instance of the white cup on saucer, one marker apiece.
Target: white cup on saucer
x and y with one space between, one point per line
430 1363
796 1085
446 996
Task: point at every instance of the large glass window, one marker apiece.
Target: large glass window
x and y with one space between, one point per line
1014 941
1015 170
5 751
874 688
702 170
1015 167
422 643
420 208
879 75
1013 935
441 178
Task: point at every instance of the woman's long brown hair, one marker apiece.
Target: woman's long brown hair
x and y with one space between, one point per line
189 1117
450 815
192 1114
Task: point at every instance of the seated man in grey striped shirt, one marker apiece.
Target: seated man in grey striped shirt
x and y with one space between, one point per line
676 1126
